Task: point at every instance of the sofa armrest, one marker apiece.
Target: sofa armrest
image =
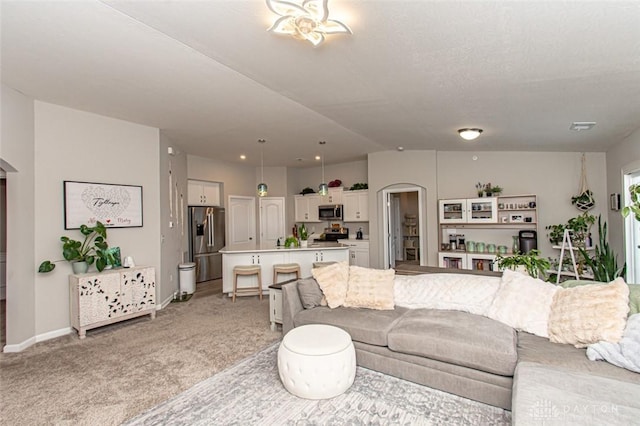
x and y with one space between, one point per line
291 305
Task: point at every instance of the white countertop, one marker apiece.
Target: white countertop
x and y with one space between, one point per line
253 248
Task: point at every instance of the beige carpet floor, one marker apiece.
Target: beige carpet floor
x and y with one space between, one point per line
121 370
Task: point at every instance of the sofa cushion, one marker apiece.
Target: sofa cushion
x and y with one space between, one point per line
310 293
457 337
523 303
634 292
364 325
589 314
370 288
333 280
550 395
456 292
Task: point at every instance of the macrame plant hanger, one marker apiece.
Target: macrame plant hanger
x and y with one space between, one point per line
584 200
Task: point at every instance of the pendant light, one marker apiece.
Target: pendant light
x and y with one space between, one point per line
262 187
323 189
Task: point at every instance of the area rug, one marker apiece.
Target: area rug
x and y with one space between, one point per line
250 393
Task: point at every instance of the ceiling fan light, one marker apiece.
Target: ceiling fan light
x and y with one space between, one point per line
469 134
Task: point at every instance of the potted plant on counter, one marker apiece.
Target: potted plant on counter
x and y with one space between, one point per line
303 235
82 254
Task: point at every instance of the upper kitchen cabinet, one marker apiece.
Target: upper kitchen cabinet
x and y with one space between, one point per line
306 208
471 210
333 197
356 205
203 193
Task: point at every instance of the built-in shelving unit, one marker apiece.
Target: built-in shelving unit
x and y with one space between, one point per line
489 224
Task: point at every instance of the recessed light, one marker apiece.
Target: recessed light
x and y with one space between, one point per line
582 125
400 148
243 157
318 157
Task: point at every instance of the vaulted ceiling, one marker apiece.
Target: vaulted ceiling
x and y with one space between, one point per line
215 81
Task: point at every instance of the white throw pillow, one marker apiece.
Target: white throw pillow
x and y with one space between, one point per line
453 292
523 303
370 288
333 280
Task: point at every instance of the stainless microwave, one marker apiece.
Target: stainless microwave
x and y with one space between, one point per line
332 212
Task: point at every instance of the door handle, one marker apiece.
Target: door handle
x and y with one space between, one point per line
211 230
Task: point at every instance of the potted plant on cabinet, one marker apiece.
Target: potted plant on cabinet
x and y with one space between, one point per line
531 262
83 253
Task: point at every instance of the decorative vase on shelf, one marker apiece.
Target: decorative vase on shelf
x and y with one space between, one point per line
515 248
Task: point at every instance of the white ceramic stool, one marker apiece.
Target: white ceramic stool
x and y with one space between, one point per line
317 361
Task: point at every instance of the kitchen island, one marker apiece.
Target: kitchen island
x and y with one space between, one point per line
267 256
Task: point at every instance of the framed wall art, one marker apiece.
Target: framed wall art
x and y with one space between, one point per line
515 218
116 206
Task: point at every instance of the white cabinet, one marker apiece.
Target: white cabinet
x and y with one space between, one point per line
306 208
356 206
358 253
102 298
203 193
333 197
473 261
472 210
275 305
266 260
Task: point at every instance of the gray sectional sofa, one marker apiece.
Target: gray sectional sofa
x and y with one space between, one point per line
481 359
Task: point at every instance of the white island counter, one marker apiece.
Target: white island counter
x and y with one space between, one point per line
267 256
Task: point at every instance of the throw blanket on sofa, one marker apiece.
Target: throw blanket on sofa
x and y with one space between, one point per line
454 292
626 353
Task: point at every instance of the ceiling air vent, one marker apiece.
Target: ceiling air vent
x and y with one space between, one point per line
582 125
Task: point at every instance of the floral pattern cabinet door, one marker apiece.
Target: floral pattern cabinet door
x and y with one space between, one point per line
102 298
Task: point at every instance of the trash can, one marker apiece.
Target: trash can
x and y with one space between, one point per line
187 277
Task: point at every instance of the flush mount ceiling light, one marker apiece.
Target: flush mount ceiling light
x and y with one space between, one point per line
469 134
262 187
306 21
323 188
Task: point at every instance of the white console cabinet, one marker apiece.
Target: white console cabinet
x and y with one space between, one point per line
102 298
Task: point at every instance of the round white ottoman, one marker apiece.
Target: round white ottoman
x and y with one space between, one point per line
317 361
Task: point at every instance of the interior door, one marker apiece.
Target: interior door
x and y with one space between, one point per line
391 237
242 219
272 217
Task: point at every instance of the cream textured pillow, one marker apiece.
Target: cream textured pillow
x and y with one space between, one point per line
370 288
589 314
333 280
523 303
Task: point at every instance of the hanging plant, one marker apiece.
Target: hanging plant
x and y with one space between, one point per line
584 201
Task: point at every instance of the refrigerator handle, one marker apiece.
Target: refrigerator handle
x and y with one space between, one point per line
211 229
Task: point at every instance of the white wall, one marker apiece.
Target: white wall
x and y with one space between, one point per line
392 168
621 156
553 176
80 146
237 179
17 149
174 217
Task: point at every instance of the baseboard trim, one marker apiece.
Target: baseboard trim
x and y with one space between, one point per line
164 303
36 339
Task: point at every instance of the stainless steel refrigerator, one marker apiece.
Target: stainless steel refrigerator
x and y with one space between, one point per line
206 238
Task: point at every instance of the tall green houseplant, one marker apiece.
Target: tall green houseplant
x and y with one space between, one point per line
91 249
604 263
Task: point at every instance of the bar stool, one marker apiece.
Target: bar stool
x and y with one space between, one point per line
246 270
285 268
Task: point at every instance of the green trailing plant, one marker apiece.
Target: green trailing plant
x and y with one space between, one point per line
357 186
535 265
634 206
556 234
91 249
604 263
497 189
307 190
291 242
585 198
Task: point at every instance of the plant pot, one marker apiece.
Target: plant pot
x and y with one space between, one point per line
79 267
304 243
